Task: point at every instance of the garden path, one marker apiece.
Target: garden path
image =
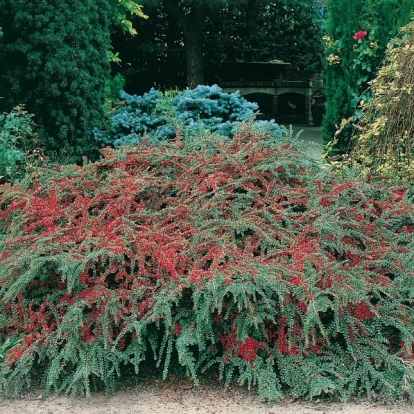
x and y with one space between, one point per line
310 134
180 397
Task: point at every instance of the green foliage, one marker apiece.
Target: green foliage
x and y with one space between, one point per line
10 155
352 62
259 30
17 143
155 57
208 253
262 30
113 88
9 343
59 71
122 10
157 116
383 142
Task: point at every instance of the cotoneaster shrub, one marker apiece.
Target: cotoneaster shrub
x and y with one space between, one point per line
210 253
156 116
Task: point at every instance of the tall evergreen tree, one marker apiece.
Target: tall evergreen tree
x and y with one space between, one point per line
54 59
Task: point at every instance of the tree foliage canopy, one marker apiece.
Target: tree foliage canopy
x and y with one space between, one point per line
254 30
121 11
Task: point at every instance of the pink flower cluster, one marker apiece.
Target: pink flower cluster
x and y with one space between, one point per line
360 35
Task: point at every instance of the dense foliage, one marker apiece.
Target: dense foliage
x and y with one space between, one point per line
59 71
20 148
357 34
256 30
384 139
14 128
211 253
122 11
262 30
156 116
191 17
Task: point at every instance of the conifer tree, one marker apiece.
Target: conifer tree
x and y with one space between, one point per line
54 59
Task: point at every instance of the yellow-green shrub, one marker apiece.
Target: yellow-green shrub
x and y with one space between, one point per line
384 139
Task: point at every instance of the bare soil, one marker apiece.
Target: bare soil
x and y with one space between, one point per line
181 397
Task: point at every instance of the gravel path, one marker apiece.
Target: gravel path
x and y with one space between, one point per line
310 134
180 397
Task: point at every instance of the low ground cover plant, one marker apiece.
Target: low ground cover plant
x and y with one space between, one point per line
208 253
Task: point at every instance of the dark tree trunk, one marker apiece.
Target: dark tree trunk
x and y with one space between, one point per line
192 22
193 42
